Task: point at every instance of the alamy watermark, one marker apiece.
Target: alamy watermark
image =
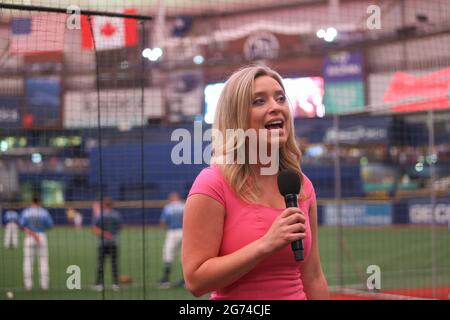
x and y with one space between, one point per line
374 20
73 17
73 282
374 280
236 146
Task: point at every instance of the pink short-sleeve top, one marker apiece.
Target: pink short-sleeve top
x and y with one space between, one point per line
277 277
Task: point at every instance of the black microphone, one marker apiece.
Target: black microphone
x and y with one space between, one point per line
289 187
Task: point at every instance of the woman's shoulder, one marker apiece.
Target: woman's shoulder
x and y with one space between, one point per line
209 182
211 173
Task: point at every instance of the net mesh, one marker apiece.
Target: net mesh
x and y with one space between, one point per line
89 103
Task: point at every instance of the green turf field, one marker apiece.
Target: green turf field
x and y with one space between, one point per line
403 254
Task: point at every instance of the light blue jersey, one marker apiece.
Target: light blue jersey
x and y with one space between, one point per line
172 215
11 216
36 219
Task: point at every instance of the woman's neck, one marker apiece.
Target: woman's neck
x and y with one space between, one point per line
259 172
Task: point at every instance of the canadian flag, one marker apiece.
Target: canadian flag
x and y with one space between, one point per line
109 32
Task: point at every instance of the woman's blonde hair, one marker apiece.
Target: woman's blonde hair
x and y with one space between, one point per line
233 110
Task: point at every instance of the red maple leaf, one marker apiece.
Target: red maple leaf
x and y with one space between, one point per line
108 29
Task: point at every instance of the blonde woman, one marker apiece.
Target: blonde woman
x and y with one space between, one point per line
237 231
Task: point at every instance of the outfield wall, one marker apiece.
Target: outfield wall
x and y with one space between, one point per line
415 211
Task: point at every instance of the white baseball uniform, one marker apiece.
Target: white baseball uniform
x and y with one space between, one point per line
37 220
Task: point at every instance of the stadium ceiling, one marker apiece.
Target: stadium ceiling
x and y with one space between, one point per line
172 7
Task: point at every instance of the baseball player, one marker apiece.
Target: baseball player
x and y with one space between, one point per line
106 225
34 221
75 217
172 219
11 229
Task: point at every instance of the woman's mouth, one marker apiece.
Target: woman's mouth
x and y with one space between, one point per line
274 125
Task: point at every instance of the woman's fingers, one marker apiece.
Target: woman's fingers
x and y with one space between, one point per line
295 217
296 228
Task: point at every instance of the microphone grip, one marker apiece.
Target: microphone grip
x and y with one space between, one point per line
291 200
297 246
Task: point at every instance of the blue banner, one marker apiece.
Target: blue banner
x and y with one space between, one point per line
358 214
420 211
43 102
344 82
344 66
373 129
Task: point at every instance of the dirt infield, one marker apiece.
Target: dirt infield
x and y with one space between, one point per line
439 293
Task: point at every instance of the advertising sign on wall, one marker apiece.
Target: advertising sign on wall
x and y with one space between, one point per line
43 107
420 211
344 82
358 214
10 112
118 108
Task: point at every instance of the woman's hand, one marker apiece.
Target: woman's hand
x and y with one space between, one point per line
287 227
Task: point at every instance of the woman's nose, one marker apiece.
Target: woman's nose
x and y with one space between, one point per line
274 106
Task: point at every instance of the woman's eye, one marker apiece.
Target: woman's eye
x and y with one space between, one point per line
281 99
258 102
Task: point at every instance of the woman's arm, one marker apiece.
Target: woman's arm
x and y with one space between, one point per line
204 270
314 282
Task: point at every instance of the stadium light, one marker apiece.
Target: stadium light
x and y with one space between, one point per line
198 59
152 54
321 33
146 52
332 32
329 35
36 158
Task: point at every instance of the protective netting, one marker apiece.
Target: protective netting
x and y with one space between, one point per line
91 93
